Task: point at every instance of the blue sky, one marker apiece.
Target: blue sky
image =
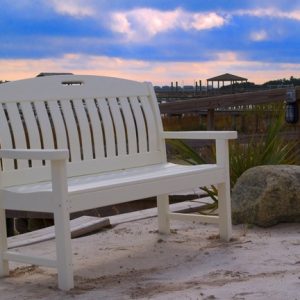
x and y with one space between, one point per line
154 40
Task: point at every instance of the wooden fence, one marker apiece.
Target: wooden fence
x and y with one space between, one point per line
232 103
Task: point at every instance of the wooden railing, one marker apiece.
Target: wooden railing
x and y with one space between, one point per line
232 102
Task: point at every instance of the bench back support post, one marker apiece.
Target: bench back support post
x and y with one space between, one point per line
158 121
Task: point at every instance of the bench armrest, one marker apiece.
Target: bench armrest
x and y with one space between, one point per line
35 154
203 135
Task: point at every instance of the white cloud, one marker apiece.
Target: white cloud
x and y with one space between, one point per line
120 23
74 8
144 23
259 36
271 13
207 21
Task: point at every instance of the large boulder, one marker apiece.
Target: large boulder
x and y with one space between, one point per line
267 195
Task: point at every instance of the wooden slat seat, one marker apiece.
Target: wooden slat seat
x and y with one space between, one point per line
107 180
72 143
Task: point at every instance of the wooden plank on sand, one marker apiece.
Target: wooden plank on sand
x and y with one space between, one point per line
79 227
87 224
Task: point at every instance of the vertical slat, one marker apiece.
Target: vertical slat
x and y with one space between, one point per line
129 121
108 127
151 124
140 123
18 130
60 131
5 140
72 130
119 125
45 125
85 131
32 130
96 127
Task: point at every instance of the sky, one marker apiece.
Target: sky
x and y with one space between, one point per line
151 40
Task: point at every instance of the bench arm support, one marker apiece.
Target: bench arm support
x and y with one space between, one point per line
35 154
200 135
221 138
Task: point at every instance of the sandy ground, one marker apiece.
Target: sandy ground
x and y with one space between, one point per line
132 261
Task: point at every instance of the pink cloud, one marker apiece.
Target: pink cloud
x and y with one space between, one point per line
159 73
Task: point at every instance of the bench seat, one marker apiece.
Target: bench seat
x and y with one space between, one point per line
143 181
114 179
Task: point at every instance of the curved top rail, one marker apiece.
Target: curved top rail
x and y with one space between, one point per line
70 86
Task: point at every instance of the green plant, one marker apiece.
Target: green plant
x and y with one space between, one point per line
268 149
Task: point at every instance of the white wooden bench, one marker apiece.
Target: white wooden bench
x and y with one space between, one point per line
71 143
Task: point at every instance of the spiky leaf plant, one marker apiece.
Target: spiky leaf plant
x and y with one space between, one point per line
269 149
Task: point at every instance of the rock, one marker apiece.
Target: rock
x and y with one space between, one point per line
267 195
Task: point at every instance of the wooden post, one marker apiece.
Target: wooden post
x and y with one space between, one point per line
243 123
298 106
206 87
163 214
298 103
210 119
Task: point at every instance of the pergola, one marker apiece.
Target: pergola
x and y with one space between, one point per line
226 78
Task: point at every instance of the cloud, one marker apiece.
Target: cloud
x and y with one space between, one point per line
144 23
207 21
259 36
226 56
270 12
159 73
74 8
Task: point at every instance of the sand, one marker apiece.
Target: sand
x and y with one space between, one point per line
132 261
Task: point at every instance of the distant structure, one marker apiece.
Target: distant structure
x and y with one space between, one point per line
52 74
225 78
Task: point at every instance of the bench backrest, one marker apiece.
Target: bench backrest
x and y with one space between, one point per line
106 123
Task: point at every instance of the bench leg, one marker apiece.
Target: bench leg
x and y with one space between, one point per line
4 271
225 211
62 226
63 252
163 214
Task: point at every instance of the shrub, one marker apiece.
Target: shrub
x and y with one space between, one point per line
268 149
